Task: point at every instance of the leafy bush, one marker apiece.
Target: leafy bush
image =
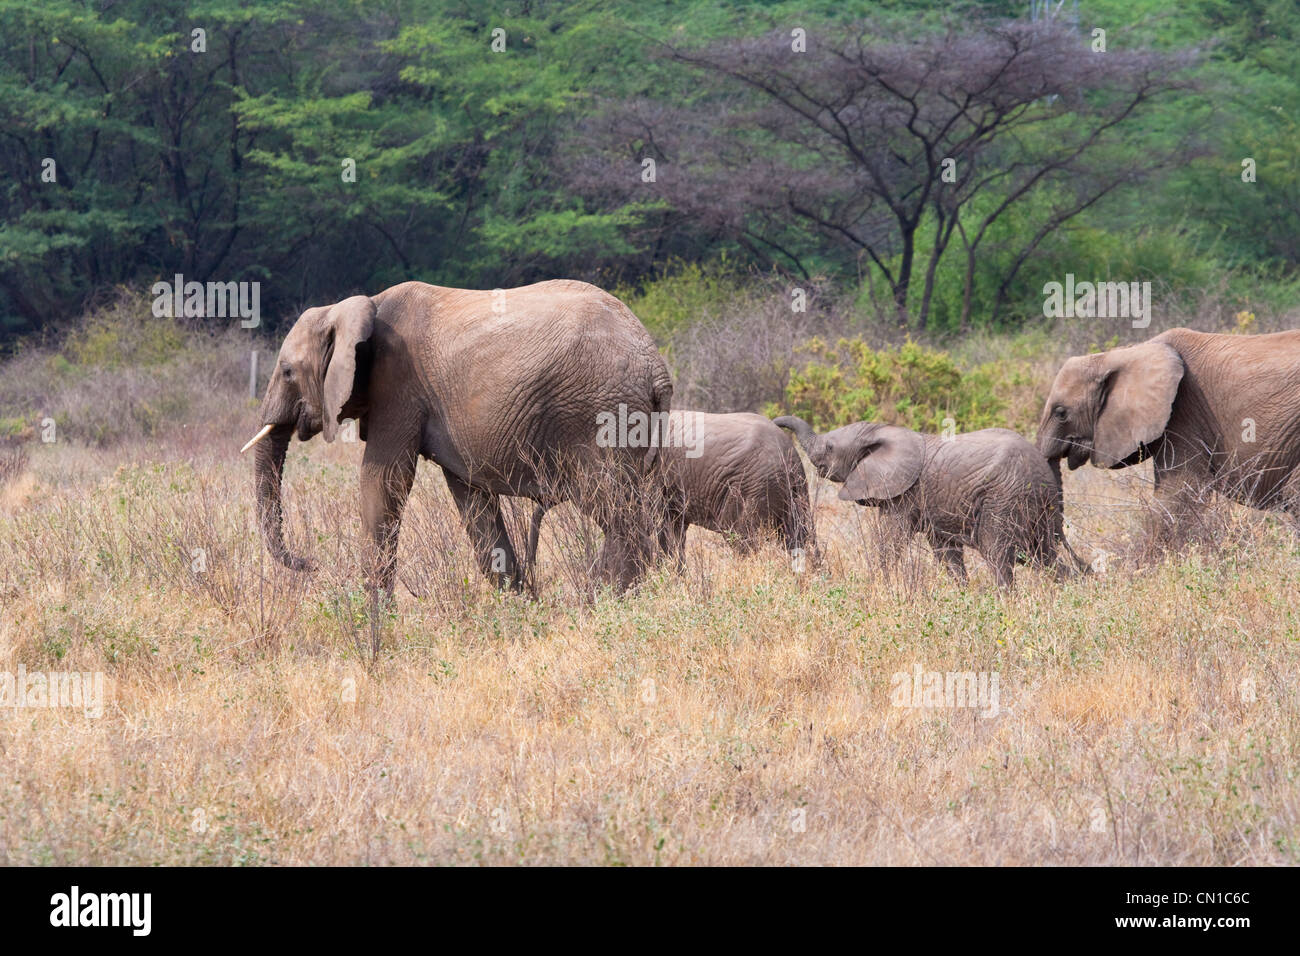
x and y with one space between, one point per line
123 332
910 385
122 374
684 296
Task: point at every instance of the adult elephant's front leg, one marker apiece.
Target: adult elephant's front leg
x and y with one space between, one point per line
385 485
1183 488
480 512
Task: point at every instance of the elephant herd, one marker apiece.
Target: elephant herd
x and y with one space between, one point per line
511 392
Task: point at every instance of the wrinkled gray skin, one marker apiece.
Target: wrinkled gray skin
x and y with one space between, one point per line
492 387
1187 400
737 474
990 490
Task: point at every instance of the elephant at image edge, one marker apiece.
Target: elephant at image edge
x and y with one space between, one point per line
492 386
990 490
1212 411
737 474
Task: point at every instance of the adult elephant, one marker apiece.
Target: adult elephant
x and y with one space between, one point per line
1218 412
501 389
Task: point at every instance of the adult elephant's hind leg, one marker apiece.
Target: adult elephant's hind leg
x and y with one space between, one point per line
625 555
631 513
480 513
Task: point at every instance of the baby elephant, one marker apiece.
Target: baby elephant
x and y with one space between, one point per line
990 490
737 474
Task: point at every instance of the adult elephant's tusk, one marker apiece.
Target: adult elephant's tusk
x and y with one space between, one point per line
266 430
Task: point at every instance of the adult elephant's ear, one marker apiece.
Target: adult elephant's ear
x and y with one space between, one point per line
891 464
1136 389
350 324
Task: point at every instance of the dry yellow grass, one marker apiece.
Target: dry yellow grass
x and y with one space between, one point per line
736 714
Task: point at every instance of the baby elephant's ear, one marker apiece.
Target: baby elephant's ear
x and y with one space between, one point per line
891 464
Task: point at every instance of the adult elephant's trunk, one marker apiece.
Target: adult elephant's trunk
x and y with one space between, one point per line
1055 465
268 468
1080 565
802 430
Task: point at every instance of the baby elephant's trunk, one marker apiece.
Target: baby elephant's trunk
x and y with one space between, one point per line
802 430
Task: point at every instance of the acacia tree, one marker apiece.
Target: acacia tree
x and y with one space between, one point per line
876 143
119 144
312 146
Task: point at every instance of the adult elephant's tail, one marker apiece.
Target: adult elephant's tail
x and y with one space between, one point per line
661 400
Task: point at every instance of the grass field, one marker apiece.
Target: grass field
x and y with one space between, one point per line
739 713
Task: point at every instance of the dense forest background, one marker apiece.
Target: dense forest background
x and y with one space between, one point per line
936 161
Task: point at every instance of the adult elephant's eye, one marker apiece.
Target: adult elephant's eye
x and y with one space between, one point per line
1059 412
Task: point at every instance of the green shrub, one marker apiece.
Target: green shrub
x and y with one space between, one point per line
911 385
124 332
123 374
689 293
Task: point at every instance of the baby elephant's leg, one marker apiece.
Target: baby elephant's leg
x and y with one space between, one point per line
1003 562
672 539
996 540
951 556
896 531
949 552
